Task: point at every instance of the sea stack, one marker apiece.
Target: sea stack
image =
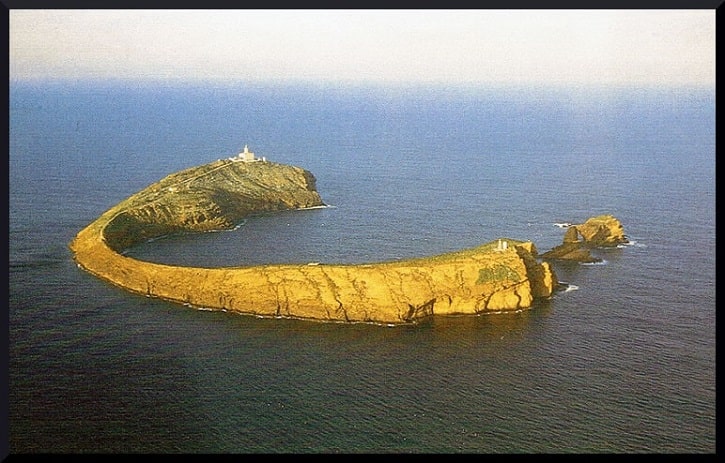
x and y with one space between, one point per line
599 231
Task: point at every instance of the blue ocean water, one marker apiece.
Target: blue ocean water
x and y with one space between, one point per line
625 362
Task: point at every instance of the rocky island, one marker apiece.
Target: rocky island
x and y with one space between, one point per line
502 275
600 231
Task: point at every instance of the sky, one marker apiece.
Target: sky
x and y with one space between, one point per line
473 47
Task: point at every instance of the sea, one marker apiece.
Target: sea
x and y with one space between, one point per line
621 361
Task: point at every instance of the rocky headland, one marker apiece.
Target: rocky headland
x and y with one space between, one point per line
217 196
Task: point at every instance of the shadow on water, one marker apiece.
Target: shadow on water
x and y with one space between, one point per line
485 327
438 334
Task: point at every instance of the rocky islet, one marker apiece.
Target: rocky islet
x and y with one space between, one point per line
502 275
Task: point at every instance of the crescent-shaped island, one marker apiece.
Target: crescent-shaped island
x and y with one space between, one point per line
502 275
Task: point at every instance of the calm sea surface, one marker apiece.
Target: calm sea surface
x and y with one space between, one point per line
624 362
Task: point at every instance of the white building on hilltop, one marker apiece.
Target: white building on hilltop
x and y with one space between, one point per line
247 156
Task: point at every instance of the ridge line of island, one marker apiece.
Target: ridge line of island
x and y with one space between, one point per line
502 275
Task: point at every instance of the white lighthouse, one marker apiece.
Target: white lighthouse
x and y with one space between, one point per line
246 155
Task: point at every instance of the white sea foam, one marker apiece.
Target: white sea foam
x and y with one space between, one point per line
324 206
570 287
602 262
631 243
156 238
562 224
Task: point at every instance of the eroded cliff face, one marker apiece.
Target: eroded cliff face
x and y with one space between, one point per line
218 195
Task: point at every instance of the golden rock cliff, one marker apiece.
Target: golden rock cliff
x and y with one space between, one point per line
602 230
599 231
218 195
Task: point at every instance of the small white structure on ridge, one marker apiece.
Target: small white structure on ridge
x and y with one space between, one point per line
246 155
502 245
